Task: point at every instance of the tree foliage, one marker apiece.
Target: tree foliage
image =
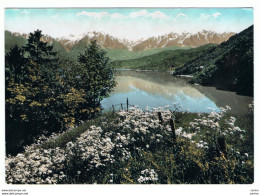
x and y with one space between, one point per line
44 96
95 73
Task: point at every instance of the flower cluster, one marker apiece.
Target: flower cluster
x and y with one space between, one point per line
148 176
202 144
96 147
92 148
139 127
36 166
112 144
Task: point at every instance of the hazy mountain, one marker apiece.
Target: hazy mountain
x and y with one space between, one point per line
228 66
168 40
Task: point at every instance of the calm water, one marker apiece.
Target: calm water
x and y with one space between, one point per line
156 89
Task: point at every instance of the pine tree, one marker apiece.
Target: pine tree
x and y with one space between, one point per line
32 88
39 51
96 74
15 65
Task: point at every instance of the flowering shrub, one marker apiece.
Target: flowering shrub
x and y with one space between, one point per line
136 147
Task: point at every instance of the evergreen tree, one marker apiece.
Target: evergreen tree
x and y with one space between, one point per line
31 91
44 97
95 75
15 65
39 51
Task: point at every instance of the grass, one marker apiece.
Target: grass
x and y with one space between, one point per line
182 119
73 134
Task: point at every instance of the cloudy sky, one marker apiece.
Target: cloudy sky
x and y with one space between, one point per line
129 23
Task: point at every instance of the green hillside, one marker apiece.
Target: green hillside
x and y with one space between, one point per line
165 60
120 54
228 66
11 41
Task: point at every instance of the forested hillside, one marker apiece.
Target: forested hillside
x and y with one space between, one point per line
228 66
165 60
11 41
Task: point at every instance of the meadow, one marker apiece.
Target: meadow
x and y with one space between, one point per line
136 147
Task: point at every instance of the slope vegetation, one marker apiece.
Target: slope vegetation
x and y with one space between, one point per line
228 66
165 60
11 41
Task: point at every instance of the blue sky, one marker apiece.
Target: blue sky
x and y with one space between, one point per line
129 23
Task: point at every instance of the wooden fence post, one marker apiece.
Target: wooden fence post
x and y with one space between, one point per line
222 145
127 104
113 107
160 117
173 130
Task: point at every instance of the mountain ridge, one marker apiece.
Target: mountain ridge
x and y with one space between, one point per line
107 41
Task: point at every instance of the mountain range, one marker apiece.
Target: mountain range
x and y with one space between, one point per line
224 60
107 41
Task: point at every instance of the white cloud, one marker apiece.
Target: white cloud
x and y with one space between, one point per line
217 14
181 15
24 12
101 15
93 14
141 13
158 14
145 13
204 16
208 16
117 16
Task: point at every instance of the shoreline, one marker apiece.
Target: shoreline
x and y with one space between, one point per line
187 78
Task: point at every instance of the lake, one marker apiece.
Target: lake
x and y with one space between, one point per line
159 89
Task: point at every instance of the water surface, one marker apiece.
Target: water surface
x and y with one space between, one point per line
158 89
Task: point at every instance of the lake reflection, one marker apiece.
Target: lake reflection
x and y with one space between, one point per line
156 89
